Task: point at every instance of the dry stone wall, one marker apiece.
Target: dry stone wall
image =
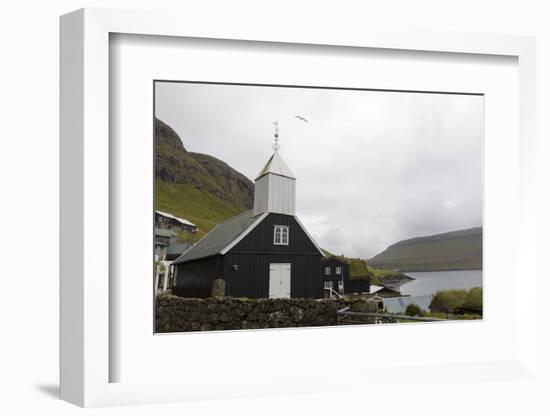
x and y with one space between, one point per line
177 314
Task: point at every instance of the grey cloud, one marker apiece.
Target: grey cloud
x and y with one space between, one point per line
372 167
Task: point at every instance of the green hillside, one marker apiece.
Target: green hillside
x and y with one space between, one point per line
198 187
199 207
358 270
455 250
174 164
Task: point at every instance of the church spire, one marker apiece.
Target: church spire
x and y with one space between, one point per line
276 135
275 185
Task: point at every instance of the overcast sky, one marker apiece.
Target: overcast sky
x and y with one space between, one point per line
372 167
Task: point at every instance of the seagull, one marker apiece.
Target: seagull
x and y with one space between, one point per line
301 118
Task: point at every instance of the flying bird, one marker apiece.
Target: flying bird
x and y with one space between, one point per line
301 118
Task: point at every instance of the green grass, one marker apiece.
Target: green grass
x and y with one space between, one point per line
186 237
474 299
465 317
414 310
358 270
447 301
378 276
357 267
199 207
440 315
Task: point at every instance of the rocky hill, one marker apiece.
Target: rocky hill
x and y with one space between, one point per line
173 163
455 250
199 187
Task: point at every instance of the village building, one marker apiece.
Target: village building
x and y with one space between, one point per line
337 278
167 249
264 252
164 271
163 238
166 221
384 291
335 273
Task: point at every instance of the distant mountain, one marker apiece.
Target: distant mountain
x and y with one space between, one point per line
199 187
455 250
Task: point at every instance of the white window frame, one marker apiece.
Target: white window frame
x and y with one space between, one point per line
338 270
329 284
327 271
283 232
340 285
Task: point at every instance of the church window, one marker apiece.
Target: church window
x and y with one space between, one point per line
280 236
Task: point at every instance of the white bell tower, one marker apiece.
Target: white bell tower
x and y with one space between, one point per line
275 185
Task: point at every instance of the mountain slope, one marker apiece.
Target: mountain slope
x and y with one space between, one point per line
173 163
455 250
199 187
201 208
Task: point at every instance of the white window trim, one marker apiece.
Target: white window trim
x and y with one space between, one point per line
338 270
329 285
282 230
327 271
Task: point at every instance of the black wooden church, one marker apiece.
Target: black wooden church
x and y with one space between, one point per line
264 252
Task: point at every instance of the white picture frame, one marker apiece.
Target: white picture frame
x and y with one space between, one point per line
85 352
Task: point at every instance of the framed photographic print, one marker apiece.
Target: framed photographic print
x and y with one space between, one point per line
251 203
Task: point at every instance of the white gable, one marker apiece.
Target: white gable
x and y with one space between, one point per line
275 188
277 166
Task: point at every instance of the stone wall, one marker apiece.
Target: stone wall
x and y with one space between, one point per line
177 314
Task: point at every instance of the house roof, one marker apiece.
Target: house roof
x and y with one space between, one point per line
337 258
277 166
221 236
181 220
375 288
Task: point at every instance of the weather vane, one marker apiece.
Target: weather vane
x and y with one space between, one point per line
276 142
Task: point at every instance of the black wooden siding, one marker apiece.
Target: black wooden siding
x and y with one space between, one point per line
254 253
194 278
251 279
260 240
252 257
350 286
333 262
357 286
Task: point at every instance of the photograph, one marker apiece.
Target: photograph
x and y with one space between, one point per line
280 206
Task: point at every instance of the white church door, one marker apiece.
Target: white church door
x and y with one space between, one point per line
279 280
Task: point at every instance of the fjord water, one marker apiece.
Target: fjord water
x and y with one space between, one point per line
428 283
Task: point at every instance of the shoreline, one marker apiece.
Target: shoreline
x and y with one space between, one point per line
439 270
435 271
395 283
